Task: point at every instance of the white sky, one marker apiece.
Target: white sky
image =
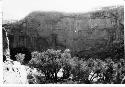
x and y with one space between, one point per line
17 9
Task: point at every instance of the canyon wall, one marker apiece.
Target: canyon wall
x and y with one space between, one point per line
88 32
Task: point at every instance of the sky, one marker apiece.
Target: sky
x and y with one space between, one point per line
18 9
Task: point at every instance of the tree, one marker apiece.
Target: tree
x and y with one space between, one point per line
48 62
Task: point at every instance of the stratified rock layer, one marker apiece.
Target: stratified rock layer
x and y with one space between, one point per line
81 33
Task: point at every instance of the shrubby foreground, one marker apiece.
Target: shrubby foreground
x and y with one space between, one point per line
56 66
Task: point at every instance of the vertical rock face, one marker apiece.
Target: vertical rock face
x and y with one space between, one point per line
78 32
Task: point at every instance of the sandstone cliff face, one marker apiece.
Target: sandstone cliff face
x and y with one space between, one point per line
78 32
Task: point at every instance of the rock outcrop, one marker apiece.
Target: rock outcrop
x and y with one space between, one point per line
14 73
